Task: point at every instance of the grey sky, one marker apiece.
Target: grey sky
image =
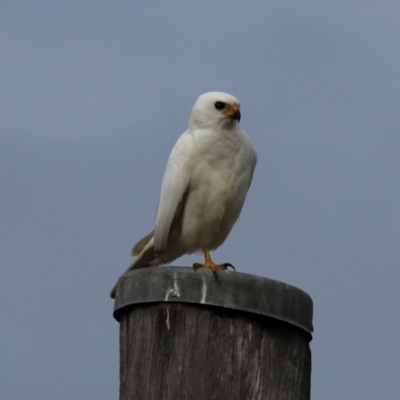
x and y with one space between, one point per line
93 95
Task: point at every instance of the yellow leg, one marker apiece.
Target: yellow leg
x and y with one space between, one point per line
209 263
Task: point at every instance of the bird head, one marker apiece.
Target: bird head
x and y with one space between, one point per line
215 109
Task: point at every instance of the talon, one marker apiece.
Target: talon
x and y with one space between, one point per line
209 263
229 265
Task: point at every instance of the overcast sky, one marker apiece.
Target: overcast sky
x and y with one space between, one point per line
94 94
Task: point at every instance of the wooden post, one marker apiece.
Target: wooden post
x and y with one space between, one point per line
195 335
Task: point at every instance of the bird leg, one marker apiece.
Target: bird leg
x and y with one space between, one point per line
208 263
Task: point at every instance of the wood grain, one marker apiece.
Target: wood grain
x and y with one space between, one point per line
171 351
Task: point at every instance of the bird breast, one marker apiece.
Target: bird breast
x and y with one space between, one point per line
218 184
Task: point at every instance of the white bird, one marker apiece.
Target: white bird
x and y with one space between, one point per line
206 180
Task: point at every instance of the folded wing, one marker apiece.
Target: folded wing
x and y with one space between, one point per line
174 185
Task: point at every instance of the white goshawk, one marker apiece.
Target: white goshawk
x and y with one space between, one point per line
206 180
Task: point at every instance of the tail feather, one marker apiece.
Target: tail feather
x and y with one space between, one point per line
146 258
141 244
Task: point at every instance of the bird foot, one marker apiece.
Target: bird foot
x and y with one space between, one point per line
214 267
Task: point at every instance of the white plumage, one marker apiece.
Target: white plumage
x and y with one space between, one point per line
204 187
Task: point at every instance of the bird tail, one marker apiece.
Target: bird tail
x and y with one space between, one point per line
144 250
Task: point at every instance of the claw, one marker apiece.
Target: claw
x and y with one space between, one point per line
229 265
197 266
209 263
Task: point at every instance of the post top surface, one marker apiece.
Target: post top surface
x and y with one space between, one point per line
231 290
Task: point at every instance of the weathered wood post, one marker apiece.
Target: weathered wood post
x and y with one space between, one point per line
195 335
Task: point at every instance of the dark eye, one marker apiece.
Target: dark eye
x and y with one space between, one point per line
219 105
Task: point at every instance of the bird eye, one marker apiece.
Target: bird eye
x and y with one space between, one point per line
219 105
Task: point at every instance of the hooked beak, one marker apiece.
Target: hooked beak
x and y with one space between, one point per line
234 112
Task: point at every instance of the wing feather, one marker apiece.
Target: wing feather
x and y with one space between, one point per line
174 185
